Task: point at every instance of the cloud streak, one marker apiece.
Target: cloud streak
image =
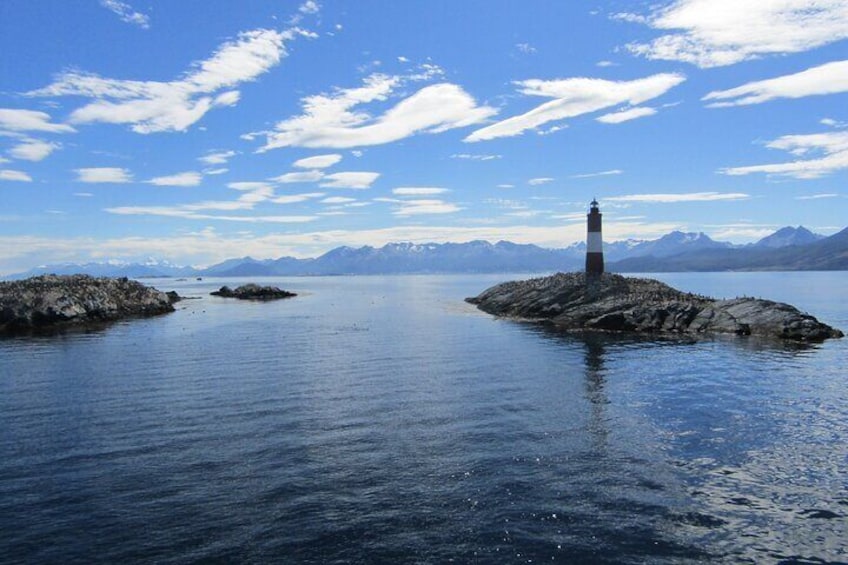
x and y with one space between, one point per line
667 198
830 78
112 175
714 33
127 13
18 120
151 106
829 152
574 97
338 120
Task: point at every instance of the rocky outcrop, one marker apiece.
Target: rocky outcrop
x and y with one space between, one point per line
53 301
253 292
616 303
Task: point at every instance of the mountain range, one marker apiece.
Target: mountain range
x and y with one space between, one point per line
787 249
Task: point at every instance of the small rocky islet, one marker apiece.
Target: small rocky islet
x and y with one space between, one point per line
49 302
252 291
614 303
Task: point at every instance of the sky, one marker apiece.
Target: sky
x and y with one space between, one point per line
196 131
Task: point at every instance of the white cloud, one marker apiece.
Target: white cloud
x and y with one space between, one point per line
471 157
626 115
299 176
539 181
126 13
829 151
418 191
219 171
16 120
830 122
506 186
296 198
151 106
676 198
103 175
309 7
337 120
17 176
422 207
33 150
712 33
217 157
177 212
318 161
189 178
249 185
525 48
357 180
830 78
600 174
818 196
574 97
338 200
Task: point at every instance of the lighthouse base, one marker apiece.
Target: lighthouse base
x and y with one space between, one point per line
594 264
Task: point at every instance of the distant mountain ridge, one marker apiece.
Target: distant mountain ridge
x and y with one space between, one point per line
787 249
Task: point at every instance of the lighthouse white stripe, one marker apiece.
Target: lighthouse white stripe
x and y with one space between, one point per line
594 242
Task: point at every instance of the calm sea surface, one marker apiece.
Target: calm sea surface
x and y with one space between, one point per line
383 420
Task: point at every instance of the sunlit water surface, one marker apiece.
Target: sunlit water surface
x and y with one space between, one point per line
382 419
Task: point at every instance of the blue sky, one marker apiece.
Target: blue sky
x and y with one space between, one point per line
196 131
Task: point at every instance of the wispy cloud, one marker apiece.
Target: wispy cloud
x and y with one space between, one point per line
338 200
33 149
127 13
818 196
17 120
15 176
355 180
667 198
830 78
471 157
151 106
338 120
713 33
189 178
425 207
318 161
217 157
600 174
829 151
418 191
299 176
626 115
113 175
540 180
577 96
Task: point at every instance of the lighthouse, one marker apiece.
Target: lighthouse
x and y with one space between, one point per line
594 242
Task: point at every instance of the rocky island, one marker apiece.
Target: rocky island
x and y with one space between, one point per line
253 291
610 302
50 302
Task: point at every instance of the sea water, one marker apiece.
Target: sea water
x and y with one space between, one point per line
382 419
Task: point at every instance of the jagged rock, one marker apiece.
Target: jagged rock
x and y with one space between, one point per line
616 303
51 301
253 291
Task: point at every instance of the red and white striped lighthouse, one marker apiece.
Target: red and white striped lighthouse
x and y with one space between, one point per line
594 242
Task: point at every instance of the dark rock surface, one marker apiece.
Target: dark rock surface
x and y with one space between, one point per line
253 292
53 301
617 303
